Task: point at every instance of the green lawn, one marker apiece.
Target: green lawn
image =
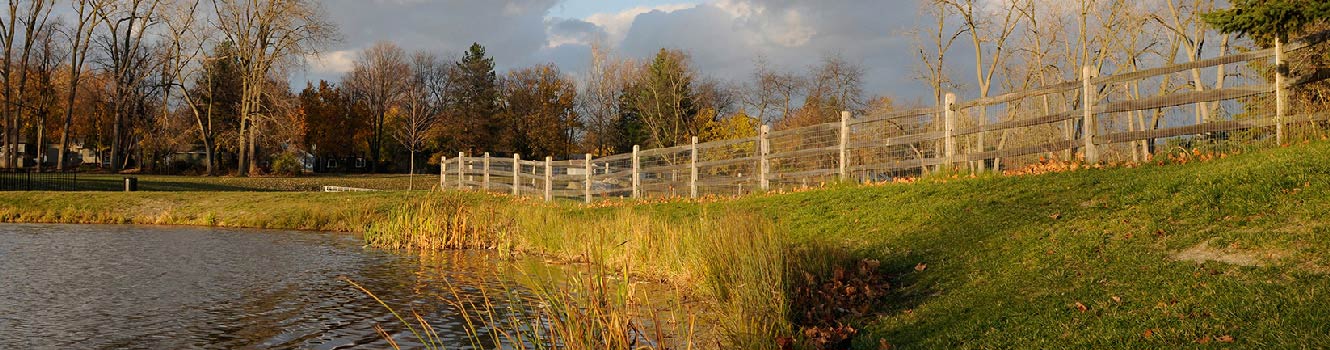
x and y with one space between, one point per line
1091 259
114 182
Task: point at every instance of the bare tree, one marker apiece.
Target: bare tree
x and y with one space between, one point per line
128 60
379 79
32 19
989 42
187 59
421 106
80 38
934 63
602 96
265 34
772 93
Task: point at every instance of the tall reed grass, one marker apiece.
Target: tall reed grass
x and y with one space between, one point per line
735 260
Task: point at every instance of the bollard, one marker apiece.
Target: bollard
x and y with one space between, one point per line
131 184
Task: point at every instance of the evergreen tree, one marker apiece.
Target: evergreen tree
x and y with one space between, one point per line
664 100
473 98
1269 19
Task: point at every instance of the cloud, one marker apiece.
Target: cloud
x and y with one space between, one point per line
616 24
332 63
572 32
724 37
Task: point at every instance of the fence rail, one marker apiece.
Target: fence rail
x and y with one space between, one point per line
29 180
1095 118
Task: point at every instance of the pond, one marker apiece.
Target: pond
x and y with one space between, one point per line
148 287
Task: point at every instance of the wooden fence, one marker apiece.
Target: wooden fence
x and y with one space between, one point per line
1125 122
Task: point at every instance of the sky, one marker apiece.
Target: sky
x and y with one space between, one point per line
723 37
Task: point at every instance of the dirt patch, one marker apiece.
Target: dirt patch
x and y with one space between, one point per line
1206 251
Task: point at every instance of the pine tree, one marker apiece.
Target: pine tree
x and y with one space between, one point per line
1269 19
474 100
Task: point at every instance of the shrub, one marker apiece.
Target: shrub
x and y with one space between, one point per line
286 164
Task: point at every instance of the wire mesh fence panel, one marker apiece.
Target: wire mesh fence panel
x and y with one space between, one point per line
728 168
568 179
664 172
612 177
884 147
803 157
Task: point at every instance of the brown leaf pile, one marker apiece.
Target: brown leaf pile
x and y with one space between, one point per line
824 306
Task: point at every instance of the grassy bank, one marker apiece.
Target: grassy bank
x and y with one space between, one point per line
342 212
1224 253
114 182
1229 252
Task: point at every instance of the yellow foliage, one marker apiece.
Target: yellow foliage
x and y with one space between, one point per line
735 126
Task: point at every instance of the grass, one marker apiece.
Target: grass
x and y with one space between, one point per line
340 212
115 182
1098 258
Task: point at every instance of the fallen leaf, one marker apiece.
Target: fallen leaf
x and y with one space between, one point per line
1081 307
920 267
883 345
1117 299
1149 332
1203 340
1225 338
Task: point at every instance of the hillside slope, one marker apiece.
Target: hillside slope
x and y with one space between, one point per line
1232 250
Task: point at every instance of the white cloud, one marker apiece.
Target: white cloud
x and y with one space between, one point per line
334 62
616 25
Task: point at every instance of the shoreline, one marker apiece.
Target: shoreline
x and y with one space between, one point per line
1093 249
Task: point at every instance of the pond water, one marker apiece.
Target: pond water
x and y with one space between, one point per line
147 287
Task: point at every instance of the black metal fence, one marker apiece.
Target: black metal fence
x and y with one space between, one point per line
30 180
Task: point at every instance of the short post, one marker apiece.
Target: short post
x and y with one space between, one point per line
692 168
517 170
844 140
1088 124
949 120
763 164
485 184
587 182
443 172
1281 68
461 164
637 192
549 186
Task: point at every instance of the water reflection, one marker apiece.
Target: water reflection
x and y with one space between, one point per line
140 287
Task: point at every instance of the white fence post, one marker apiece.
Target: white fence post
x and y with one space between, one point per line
486 182
587 184
763 164
636 178
443 172
1281 68
517 171
844 140
1088 124
549 187
949 120
461 164
692 167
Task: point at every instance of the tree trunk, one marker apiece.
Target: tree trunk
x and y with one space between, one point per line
41 146
209 161
253 157
115 141
411 174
